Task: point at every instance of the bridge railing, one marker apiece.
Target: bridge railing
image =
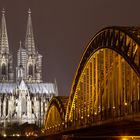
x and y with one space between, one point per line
104 116
108 114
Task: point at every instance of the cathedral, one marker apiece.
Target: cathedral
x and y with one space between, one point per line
23 95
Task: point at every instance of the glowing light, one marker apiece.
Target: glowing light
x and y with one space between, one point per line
81 117
35 135
124 139
4 135
125 104
17 135
113 107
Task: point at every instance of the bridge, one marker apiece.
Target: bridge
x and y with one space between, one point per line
105 93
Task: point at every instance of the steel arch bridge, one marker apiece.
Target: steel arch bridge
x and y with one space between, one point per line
106 85
56 114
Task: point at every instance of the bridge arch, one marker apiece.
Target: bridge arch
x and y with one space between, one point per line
95 87
54 118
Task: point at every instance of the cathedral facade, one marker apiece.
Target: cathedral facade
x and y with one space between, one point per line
23 95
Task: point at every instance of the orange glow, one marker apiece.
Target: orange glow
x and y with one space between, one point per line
124 139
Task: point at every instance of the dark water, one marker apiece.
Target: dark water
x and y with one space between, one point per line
73 138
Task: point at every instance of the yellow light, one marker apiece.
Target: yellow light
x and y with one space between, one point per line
35 135
81 117
4 135
125 104
18 135
124 139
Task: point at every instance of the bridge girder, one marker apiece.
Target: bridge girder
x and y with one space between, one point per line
56 107
123 40
102 100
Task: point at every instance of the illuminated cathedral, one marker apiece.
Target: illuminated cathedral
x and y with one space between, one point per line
23 95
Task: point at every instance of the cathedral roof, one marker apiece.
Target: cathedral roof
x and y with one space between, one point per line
34 88
7 87
22 86
41 88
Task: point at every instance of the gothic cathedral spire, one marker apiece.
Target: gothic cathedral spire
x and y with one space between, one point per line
4 45
29 40
33 68
6 59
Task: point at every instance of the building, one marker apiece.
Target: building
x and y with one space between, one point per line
26 98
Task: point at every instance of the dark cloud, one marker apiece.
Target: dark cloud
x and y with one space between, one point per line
62 28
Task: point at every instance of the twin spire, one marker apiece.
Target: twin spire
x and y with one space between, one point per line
4 45
29 39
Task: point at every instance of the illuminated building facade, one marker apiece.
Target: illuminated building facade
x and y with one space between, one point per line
26 99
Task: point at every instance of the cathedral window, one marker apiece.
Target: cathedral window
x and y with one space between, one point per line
3 69
35 69
31 70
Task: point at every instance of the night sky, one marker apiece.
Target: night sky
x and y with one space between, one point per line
62 28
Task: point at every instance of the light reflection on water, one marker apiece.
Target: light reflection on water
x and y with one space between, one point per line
68 137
